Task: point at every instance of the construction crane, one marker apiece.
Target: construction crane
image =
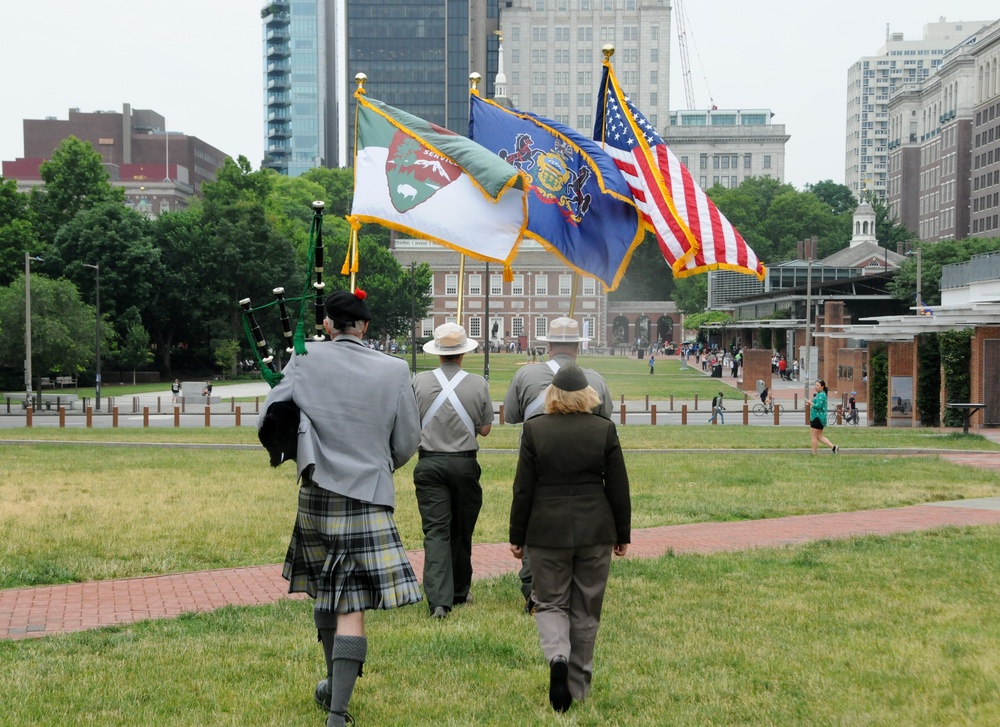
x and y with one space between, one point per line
680 19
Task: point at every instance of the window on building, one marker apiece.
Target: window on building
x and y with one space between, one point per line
654 55
475 327
496 284
704 161
515 32
584 34
539 34
654 32
475 285
427 328
588 328
583 121
725 162
684 161
747 161
517 286
702 181
767 161
450 284
541 326
654 98
589 286
565 284
654 77
539 6
716 161
517 326
541 284
584 4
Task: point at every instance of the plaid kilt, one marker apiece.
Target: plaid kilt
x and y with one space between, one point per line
347 554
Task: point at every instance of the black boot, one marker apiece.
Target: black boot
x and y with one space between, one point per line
322 694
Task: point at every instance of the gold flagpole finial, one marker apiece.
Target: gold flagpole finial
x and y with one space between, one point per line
474 80
360 79
608 50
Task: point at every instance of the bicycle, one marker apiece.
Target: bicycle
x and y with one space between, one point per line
762 409
852 417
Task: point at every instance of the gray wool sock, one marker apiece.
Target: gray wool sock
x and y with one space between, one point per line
349 653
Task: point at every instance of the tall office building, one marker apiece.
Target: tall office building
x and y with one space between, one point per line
417 55
871 80
944 144
553 53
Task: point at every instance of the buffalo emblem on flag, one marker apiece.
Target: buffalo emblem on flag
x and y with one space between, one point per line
415 173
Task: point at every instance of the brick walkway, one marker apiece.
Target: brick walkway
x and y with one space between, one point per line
35 612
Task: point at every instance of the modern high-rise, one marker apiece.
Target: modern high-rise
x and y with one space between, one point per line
417 55
553 56
872 80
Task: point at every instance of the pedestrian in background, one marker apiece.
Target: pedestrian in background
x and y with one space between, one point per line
817 416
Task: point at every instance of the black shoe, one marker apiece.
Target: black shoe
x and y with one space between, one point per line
559 696
322 694
835 448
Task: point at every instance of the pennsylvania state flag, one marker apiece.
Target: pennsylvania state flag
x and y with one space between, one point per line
579 205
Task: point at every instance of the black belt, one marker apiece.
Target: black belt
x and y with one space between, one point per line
470 454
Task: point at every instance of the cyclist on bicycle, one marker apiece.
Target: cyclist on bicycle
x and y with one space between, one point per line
766 399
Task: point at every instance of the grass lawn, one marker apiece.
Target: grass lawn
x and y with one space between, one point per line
72 512
873 630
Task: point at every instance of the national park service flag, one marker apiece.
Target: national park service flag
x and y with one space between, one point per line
431 183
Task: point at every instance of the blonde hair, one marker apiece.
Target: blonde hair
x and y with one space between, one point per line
558 401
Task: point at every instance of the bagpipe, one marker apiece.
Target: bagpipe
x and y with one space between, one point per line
295 341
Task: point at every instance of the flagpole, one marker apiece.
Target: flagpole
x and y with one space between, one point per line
572 293
461 279
352 245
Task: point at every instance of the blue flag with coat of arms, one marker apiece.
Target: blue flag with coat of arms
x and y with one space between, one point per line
579 205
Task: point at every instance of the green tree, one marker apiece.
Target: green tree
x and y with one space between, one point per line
691 294
183 302
119 240
62 328
338 186
249 257
838 197
74 179
933 257
388 287
134 352
226 355
648 276
17 231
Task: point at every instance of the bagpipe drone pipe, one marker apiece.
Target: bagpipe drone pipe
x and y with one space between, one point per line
278 431
295 341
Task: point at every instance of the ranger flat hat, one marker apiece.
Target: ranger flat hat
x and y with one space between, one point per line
450 340
563 330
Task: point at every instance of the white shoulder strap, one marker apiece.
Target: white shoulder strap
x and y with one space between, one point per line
539 401
448 394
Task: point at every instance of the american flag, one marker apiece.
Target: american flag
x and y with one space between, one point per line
693 235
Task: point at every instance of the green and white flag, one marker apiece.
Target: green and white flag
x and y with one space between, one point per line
431 183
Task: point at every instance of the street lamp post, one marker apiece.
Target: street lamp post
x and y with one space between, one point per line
28 391
97 341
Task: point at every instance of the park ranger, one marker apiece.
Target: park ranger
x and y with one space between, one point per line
455 407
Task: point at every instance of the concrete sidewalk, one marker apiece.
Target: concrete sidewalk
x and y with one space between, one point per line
45 610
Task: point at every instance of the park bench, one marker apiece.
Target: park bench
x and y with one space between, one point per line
191 394
45 382
63 381
48 402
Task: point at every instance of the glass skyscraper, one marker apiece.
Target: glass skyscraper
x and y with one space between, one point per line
417 55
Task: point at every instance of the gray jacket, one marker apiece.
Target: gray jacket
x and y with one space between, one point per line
358 417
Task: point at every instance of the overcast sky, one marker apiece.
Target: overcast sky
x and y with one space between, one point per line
198 63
